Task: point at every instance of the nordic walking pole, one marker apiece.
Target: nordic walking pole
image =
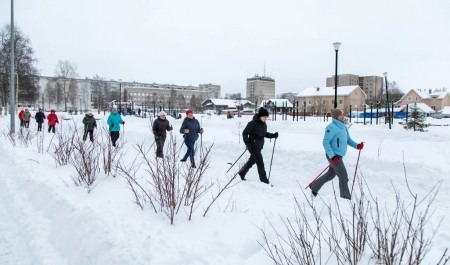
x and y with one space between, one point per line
356 168
273 151
237 159
320 174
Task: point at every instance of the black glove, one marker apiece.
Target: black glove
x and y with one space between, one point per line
275 135
248 145
123 122
171 128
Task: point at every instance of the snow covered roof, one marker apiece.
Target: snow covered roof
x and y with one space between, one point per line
279 102
424 94
231 103
445 110
421 106
327 91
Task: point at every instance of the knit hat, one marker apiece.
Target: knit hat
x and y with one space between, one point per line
263 112
162 113
189 111
90 114
335 113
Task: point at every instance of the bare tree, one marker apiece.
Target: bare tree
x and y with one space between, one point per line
25 67
66 72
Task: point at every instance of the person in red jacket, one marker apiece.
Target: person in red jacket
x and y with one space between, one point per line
52 121
21 117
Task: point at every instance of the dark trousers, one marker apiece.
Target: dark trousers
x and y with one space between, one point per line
255 158
52 128
160 146
21 123
190 151
114 137
91 135
39 126
26 124
334 169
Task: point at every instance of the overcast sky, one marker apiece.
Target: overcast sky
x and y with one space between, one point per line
190 42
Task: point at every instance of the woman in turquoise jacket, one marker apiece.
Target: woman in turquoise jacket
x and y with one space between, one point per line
335 142
114 121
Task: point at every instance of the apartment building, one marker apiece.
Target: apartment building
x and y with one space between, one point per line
260 88
371 85
87 93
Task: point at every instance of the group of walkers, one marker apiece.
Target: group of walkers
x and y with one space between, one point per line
335 141
25 116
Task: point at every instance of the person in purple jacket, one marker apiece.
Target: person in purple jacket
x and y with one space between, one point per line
190 128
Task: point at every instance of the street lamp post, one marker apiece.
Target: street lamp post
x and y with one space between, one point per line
12 102
120 95
387 99
336 48
65 96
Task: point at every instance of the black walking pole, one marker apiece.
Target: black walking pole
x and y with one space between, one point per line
273 151
237 159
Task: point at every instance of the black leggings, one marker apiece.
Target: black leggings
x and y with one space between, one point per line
114 137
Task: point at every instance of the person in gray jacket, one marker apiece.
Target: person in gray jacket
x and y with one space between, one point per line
160 127
335 142
89 125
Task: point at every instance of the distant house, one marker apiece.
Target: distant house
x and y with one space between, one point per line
278 103
321 99
421 107
435 100
218 105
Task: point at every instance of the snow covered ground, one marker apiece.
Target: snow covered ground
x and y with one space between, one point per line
46 219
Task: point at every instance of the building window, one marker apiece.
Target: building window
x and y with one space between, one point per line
340 101
408 99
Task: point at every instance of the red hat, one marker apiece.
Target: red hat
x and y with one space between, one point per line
189 111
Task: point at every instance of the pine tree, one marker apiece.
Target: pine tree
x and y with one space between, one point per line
417 121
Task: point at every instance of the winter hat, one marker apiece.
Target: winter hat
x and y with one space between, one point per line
263 112
162 113
90 114
335 113
189 111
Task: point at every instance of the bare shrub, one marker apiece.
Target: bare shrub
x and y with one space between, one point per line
85 159
394 235
164 183
64 146
110 155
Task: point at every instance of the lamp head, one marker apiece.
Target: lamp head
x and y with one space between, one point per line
336 46
385 74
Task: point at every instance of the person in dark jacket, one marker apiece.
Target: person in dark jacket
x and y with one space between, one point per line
253 135
160 126
190 128
39 117
335 143
89 125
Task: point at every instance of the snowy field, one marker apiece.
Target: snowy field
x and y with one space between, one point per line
46 219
